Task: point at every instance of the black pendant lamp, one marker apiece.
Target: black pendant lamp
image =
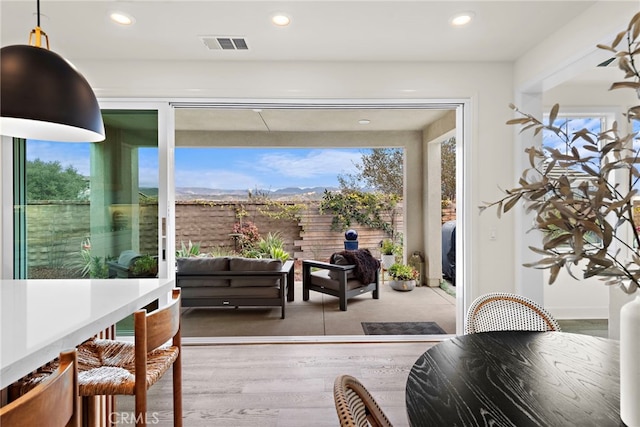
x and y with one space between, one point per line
43 96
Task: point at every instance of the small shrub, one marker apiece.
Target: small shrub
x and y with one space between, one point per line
271 247
403 272
388 247
279 253
220 251
193 250
145 266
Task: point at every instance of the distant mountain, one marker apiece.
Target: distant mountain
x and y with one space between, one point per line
308 190
193 193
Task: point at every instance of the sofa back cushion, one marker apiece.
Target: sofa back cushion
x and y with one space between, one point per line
338 259
257 265
197 265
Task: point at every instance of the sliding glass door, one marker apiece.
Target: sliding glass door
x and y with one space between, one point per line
80 206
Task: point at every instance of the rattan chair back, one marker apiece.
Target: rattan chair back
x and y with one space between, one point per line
356 407
501 311
52 403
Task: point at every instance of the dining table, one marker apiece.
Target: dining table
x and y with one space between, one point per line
516 378
40 318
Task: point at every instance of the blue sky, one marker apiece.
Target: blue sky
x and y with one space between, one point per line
270 169
227 168
574 124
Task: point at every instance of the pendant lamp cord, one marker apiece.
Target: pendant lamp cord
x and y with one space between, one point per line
35 38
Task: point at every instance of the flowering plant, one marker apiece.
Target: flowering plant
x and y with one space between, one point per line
585 212
248 235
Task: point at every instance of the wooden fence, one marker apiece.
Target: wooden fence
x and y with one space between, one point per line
57 229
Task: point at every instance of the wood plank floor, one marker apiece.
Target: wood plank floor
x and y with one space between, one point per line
232 381
279 385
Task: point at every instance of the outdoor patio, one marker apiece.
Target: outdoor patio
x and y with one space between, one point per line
321 316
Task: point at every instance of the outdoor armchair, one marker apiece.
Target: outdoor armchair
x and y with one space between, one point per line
344 277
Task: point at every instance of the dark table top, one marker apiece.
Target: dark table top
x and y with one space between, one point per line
516 379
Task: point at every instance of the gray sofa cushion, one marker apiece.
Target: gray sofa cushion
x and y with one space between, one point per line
322 278
257 264
340 260
202 266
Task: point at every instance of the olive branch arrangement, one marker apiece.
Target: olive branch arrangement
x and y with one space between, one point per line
584 212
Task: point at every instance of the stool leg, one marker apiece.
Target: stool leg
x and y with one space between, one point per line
91 412
177 381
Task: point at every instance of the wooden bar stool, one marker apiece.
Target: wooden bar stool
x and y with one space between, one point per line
111 367
52 403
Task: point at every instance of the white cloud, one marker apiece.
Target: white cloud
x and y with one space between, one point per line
314 164
209 178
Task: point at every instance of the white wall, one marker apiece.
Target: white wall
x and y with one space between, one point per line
563 56
572 48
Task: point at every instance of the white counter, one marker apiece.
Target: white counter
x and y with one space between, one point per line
41 318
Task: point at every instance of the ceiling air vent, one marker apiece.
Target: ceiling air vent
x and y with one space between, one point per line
225 43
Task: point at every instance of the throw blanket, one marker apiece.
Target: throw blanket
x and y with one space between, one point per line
366 265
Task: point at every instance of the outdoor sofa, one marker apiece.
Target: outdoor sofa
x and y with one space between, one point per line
235 281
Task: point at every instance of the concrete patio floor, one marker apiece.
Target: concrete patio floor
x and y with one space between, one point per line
321 316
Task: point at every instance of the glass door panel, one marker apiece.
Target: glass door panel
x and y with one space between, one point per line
90 210
88 203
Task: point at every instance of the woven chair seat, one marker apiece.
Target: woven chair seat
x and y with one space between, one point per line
107 367
111 367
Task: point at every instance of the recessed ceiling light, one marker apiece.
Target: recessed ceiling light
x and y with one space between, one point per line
364 121
280 20
461 19
121 18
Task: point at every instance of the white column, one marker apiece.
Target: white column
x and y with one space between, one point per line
529 281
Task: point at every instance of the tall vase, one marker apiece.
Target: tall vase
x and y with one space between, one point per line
629 365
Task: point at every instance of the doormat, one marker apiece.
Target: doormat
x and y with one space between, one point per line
402 328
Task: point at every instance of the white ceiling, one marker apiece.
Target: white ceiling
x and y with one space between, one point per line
363 30
336 30
307 120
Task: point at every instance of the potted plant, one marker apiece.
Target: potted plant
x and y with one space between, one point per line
388 250
403 277
144 266
586 213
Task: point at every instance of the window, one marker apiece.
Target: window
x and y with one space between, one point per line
84 203
568 126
